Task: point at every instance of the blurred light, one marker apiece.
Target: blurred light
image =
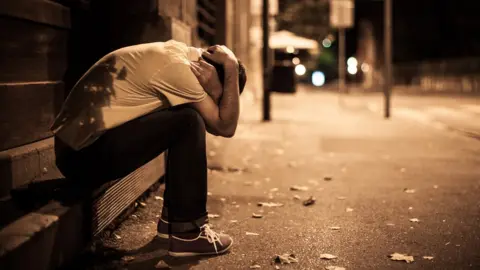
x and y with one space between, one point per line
300 70
318 78
326 43
290 49
352 69
365 67
296 60
352 61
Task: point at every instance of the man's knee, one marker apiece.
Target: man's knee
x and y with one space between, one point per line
193 119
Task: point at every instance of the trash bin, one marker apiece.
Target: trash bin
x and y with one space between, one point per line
283 78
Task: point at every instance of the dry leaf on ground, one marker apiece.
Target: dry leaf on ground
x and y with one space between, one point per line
286 258
117 236
311 200
409 190
158 198
328 178
428 257
233 221
254 215
213 216
348 209
269 204
128 258
296 197
274 189
251 233
298 188
327 256
335 228
143 204
255 266
332 267
414 220
401 257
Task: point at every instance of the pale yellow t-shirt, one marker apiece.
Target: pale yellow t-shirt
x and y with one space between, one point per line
126 84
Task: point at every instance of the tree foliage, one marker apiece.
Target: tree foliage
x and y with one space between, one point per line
307 18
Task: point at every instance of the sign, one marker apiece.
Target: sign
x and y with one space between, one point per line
341 13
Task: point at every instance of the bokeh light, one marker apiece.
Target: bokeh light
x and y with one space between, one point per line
318 78
300 70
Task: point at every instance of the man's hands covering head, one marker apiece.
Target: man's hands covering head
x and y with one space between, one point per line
208 78
221 54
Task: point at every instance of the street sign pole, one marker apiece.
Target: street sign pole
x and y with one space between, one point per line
341 60
266 62
341 17
387 88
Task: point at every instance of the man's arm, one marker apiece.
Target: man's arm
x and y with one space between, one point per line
222 119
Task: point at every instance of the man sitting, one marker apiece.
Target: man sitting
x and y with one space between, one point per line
140 101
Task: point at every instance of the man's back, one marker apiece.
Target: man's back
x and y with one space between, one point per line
122 86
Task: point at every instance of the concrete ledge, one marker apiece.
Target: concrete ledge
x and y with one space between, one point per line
26 164
53 235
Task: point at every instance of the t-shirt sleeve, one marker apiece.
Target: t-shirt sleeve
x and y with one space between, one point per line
178 83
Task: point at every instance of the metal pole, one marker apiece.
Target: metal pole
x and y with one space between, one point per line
341 60
388 56
266 64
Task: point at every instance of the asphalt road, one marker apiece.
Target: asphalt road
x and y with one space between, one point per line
358 167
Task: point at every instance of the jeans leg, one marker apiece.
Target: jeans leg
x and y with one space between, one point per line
123 149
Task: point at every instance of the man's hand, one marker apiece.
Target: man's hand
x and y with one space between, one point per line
208 79
222 55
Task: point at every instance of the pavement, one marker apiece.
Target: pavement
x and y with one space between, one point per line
381 187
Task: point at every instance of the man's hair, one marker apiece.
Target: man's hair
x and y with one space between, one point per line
242 74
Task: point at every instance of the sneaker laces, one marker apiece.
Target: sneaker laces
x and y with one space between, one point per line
211 235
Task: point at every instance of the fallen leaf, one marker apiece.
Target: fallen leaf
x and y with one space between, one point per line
299 188
233 221
274 189
401 257
128 258
255 266
331 267
390 224
251 233
213 216
162 265
158 198
286 258
341 198
117 236
234 169
296 197
428 257
414 220
335 228
269 204
410 208
143 204
277 267
328 178
327 256
254 215
348 209
447 243
311 200
408 190
134 216
223 199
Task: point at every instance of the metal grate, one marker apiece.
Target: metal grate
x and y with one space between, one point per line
119 196
206 17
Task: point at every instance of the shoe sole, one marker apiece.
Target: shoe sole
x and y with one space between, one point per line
163 236
192 254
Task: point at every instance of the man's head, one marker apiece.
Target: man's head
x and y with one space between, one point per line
242 74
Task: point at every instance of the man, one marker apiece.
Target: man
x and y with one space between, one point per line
140 101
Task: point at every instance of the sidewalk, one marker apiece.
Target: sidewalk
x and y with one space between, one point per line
356 164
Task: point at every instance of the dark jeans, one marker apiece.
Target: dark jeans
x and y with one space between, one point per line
123 149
